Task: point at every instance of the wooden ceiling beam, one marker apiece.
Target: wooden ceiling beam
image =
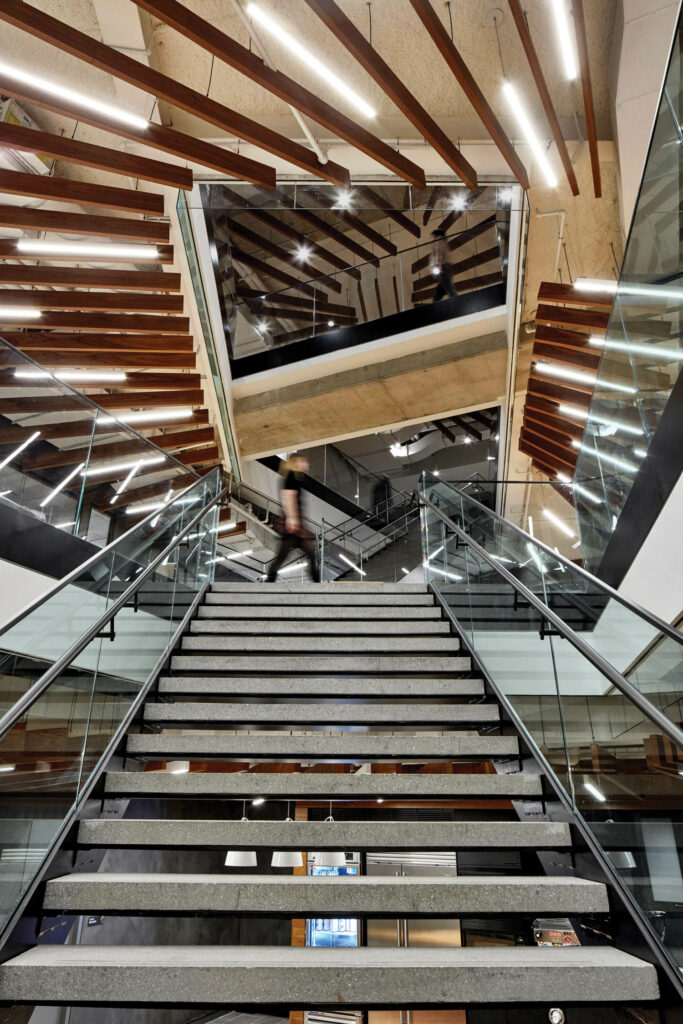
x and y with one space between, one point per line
73 456
561 316
470 284
555 455
132 71
197 456
468 428
86 224
468 84
560 451
587 90
429 205
30 140
376 200
154 136
276 250
304 315
274 272
353 222
362 51
139 379
462 238
122 302
85 277
573 394
561 337
150 491
485 421
478 260
543 91
311 219
209 37
65 190
557 424
444 430
77 320
571 296
253 297
57 341
8 251
584 359
83 428
151 399
84 360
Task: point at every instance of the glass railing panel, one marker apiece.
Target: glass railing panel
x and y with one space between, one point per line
40 637
48 755
612 629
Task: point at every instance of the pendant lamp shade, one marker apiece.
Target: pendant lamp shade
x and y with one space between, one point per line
287 859
240 859
329 858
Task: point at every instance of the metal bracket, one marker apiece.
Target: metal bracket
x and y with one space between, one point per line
108 634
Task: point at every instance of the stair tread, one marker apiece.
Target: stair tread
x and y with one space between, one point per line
319 598
342 612
302 627
191 711
321 745
317 663
321 644
304 976
324 835
322 685
338 589
318 895
324 784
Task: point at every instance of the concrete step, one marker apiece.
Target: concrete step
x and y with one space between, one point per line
325 627
332 663
322 686
301 896
316 612
257 596
325 835
321 714
323 785
300 977
322 746
337 589
337 645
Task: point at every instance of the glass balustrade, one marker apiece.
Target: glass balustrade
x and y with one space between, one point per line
618 769
49 754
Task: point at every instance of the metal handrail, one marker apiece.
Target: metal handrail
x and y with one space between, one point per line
84 566
27 699
654 620
604 667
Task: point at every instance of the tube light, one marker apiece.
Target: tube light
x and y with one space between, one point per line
19 450
225 528
304 55
667 355
71 95
531 526
623 288
178 767
398 451
3 494
63 526
594 284
139 418
81 376
292 568
135 510
330 323
121 488
7 767
581 414
355 567
594 792
121 467
62 485
441 572
406 571
604 457
529 133
565 39
640 452
564 479
257 801
42 247
535 558
19 313
556 521
579 377
239 554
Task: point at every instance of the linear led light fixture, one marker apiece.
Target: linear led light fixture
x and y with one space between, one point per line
312 62
292 568
77 376
354 567
645 291
530 135
595 284
666 355
3 494
581 414
640 452
224 528
20 313
140 418
239 554
441 572
556 521
134 510
121 488
579 377
41 247
594 792
82 99
62 485
19 450
565 38
605 457
535 558
579 488
121 467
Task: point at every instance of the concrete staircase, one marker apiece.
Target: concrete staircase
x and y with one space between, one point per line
315 690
